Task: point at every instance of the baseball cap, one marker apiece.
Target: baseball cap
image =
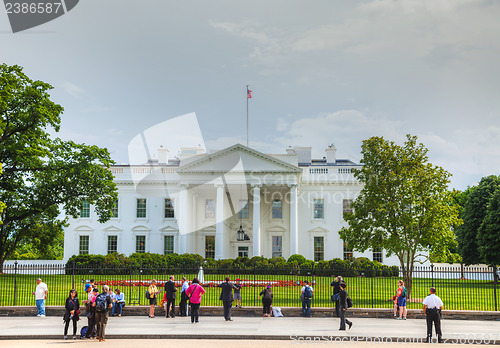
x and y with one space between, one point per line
87 286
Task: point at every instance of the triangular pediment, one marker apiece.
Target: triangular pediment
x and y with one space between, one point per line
238 159
318 230
112 229
169 229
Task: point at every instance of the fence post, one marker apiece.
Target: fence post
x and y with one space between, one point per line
73 275
140 281
432 275
130 286
254 285
15 282
373 276
495 280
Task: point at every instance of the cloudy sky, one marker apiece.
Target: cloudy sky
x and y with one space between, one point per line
321 72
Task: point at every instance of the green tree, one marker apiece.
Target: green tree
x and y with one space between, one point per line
489 232
473 215
43 176
404 206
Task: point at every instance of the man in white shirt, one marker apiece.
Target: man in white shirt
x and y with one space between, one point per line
432 308
40 297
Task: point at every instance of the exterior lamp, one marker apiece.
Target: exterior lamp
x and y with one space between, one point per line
241 234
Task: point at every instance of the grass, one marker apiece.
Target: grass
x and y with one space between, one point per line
365 292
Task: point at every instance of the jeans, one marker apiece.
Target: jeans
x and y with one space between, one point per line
40 305
266 304
117 308
306 304
101 319
195 312
66 325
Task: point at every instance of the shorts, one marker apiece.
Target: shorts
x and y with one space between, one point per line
152 301
237 296
402 301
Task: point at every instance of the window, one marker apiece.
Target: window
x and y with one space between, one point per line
243 251
277 243
85 209
277 211
84 245
141 208
114 210
319 209
344 170
140 244
210 209
169 208
347 252
112 244
210 247
377 255
168 245
243 212
346 206
319 249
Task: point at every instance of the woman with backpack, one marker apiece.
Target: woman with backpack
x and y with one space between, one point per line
72 313
345 302
194 293
401 293
267 300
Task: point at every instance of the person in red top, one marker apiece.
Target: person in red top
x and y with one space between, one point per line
401 293
195 292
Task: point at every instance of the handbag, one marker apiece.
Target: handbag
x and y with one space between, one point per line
335 297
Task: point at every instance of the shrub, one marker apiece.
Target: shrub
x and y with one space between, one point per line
296 257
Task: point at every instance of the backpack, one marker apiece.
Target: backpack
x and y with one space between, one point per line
83 331
101 303
308 292
349 302
403 294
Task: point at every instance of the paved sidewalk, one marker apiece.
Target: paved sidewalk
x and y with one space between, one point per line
456 331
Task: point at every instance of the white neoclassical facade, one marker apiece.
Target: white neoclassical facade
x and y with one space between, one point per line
284 203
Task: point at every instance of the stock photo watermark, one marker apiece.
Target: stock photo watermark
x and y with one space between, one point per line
27 14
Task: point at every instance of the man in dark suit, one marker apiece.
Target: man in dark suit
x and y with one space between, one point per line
170 290
226 296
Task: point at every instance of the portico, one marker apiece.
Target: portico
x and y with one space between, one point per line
242 185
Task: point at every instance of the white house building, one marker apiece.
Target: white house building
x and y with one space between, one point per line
285 204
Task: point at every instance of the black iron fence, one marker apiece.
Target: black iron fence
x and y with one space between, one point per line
462 288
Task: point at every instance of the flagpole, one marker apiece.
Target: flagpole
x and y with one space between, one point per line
247 115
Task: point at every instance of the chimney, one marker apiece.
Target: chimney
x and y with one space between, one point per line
331 154
290 151
162 155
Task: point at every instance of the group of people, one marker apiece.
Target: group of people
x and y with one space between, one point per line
192 292
98 303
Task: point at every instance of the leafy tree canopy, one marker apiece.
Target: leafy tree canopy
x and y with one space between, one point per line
43 176
405 206
474 213
489 232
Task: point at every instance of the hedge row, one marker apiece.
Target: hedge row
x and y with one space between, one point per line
189 263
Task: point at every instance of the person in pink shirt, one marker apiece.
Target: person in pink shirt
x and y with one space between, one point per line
194 293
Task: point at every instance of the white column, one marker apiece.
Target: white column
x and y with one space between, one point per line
219 223
183 218
256 221
294 231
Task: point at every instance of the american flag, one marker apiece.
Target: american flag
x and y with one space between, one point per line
249 93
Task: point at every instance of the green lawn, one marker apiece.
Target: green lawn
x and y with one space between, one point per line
365 292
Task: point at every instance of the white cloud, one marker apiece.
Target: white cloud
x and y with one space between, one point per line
73 90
